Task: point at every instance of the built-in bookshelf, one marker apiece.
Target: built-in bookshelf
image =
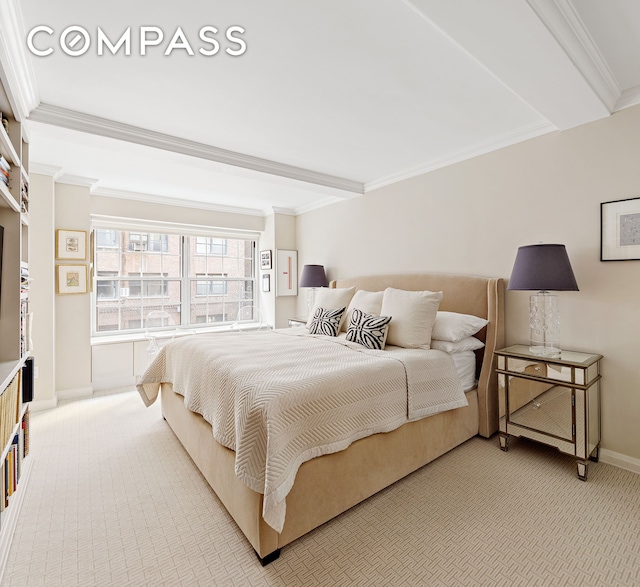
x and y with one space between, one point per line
16 365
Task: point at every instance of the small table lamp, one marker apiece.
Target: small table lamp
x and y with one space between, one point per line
313 276
543 268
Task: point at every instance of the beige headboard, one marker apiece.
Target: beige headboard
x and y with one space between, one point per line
480 296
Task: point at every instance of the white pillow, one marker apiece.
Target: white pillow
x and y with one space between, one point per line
332 299
454 327
471 343
412 316
369 302
465 363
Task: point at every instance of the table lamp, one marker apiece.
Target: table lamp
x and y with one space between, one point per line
543 268
313 276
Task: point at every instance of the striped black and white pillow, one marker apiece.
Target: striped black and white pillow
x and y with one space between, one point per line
368 330
326 322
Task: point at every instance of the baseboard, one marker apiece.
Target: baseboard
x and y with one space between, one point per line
74 393
619 460
43 404
114 383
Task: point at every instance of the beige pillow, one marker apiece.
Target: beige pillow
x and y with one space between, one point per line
369 302
332 299
412 316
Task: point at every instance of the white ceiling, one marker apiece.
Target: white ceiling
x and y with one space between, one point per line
331 99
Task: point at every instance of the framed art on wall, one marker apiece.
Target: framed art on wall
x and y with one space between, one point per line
71 244
286 272
620 230
265 259
266 282
72 279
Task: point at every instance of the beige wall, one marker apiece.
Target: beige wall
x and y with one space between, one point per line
471 218
42 294
73 311
285 238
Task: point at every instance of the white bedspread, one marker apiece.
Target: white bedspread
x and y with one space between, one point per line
282 397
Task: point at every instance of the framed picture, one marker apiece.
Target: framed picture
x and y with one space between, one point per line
71 244
266 282
620 230
265 260
286 272
72 279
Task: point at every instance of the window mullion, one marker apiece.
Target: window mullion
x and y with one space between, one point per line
185 285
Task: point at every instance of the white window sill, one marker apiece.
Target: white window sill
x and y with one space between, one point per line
165 334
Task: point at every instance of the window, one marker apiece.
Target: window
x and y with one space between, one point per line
187 280
152 288
211 246
211 287
157 243
107 288
107 238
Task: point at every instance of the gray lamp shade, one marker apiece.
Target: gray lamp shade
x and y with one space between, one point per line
543 268
313 276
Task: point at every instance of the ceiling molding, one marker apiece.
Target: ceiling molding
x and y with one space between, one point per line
169 201
54 115
568 29
45 169
317 205
78 180
630 97
505 140
15 65
279 210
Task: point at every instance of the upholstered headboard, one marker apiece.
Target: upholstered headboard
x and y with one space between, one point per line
479 296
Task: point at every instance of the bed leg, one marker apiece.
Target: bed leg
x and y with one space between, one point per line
269 558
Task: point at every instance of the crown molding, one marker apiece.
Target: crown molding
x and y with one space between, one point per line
78 180
279 210
506 140
15 64
630 97
563 22
54 115
45 169
169 201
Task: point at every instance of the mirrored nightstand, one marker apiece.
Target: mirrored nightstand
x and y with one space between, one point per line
295 322
555 401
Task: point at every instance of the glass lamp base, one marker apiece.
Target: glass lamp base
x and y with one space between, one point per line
544 324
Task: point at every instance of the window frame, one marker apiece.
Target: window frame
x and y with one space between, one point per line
186 305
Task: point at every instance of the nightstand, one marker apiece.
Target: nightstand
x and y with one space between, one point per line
296 322
553 400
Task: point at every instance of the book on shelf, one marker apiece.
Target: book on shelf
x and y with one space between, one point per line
25 428
24 327
24 196
4 164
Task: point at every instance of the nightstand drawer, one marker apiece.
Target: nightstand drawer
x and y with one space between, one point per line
549 369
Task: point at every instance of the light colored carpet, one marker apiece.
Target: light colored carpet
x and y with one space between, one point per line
113 500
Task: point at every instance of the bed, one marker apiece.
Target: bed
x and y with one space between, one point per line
324 486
